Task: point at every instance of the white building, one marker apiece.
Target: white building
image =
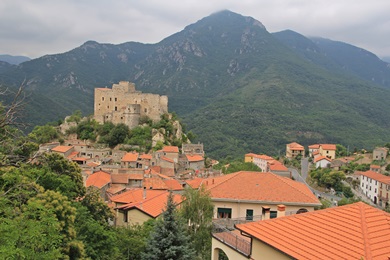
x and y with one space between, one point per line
369 184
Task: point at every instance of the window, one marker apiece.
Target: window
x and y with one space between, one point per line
102 98
249 214
146 110
224 213
110 99
116 99
125 216
273 214
116 108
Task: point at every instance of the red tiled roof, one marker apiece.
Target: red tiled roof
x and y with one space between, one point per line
194 158
328 147
62 148
170 172
195 183
130 157
155 169
314 146
80 159
125 177
260 186
373 166
93 164
155 184
320 158
278 167
170 149
154 206
296 146
98 179
72 154
354 231
146 156
173 184
375 176
135 195
115 188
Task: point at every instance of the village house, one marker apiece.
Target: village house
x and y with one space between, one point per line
149 207
130 160
322 234
194 162
327 150
267 164
380 153
100 180
294 149
322 162
243 194
63 150
192 149
370 183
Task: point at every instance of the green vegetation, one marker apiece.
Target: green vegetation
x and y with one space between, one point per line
328 178
169 239
236 166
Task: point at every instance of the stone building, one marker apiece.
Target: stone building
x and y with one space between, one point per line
124 104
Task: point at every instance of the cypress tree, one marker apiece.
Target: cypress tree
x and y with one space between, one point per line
169 239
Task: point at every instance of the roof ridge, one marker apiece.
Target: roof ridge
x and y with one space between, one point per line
284 179
366 242
233 175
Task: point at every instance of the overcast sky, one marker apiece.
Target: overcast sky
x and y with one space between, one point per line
34 28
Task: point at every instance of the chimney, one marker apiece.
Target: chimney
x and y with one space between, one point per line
144 193
266 212
281 211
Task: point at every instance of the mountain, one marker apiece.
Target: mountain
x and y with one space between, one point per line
14 60
386 59
237 87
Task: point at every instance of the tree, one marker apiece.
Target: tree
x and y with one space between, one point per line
197 210
341 150
43 134
61 175
97 208
169 239
75 117
118 135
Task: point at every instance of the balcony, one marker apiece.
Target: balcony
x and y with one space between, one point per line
232 238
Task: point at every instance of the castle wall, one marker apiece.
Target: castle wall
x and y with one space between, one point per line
123 104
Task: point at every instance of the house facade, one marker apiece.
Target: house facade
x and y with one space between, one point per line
380 153
370 183
294 149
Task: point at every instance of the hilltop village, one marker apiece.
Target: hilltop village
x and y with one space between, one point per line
257 214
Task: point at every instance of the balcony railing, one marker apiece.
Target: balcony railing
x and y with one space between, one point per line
232 239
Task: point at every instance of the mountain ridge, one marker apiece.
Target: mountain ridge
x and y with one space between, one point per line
237 86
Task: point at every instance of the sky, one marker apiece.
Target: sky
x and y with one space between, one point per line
35 28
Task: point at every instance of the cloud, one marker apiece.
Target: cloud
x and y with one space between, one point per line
39 27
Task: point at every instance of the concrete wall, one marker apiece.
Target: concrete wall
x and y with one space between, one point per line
261 251
216 246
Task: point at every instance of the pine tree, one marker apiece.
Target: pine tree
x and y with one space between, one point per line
169 239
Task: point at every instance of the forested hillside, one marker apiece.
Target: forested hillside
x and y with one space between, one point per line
238 87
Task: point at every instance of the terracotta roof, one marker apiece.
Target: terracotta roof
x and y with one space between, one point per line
295 146
146 157
98 179
259 156
115 188
130 157
375 176
278 167
93 164
314 146
173 184
170 149
195 183
259 186
373 166
320 158
155 184
354 231
250 155
167 159
72 154
328 147
135 195
153 206
80 159
61 148
125 177
170 172
194 158
155 169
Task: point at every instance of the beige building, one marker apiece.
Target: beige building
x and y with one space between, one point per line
294 149
322 234
123 104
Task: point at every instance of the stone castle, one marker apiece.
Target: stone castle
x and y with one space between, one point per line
124 104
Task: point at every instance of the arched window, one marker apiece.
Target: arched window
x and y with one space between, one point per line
302 211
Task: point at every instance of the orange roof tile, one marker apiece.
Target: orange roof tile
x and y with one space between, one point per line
115 188
375 176
146 157
154 206
155 184
173 184
130 157
314 146
170 172
170 149
354 231
62 148
195 183
194 158
135 195
295 146
278 167
155 169
260 186
72 154
98 179
93 164
373 166
80 159
124 178
320 158
328 147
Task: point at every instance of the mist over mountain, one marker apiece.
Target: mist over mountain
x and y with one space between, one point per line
14 60
237 87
